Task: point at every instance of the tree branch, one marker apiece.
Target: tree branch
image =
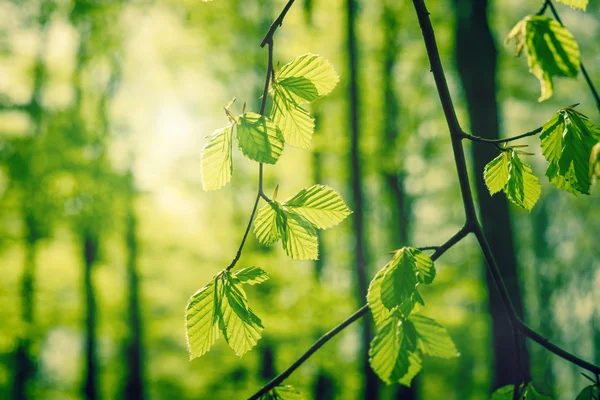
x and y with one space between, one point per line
268 40
505 140
463 177
457 237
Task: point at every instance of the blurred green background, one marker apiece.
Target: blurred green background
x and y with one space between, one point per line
106 231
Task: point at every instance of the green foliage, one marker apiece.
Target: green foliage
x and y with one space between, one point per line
403 337
579 4
222 306
527 392
506 172
217 165
303 80
259 138
568 140
406 270
286 392
295 221
551 50
591 392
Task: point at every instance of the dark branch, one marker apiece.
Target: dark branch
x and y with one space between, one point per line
505 140
276 24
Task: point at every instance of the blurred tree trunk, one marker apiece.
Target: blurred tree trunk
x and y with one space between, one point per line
476 62
317 172
89 242
25 364
547 284
395 198
134 350
370 388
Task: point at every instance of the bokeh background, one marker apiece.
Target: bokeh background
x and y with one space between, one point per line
105 231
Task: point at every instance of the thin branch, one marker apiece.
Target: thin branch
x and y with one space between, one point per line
457 237
316 346
588 80
505 140
268 40
276 24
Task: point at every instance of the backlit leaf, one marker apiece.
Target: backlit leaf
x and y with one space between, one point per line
320 205
496 173
266 226
259 138
432 338
300 238
551 50
295 122
306 78
201 320
217 165
523 187
251 275
580 4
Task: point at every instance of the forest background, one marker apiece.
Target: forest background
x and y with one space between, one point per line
105 230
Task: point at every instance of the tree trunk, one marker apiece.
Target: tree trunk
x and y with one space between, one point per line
24 360
90 255
370 389
476 62
134 380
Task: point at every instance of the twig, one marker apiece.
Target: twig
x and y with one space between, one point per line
499 141
457 237
268 40
588 80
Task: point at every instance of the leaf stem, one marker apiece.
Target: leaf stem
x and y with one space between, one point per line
499 141
239 252
586 76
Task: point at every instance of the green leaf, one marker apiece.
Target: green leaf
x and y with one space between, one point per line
259 138
527 392
496 173
306 78
523 187
568 140
591 392
286 392
432 338
580 4
217 165
320 205
392 353
404 272
295 123
300 238
201 318
251 275
240 326
380 312
551 50
269 223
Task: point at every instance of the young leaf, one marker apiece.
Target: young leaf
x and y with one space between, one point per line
392 353
269 223
251 275
523 187
259 138
286 392
217 165
295 123
568 139
320 205
551 50
240 326
525 393
201 317
580 4
496 173
591 392
380 312
432 338
306 78
300 238
404 272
